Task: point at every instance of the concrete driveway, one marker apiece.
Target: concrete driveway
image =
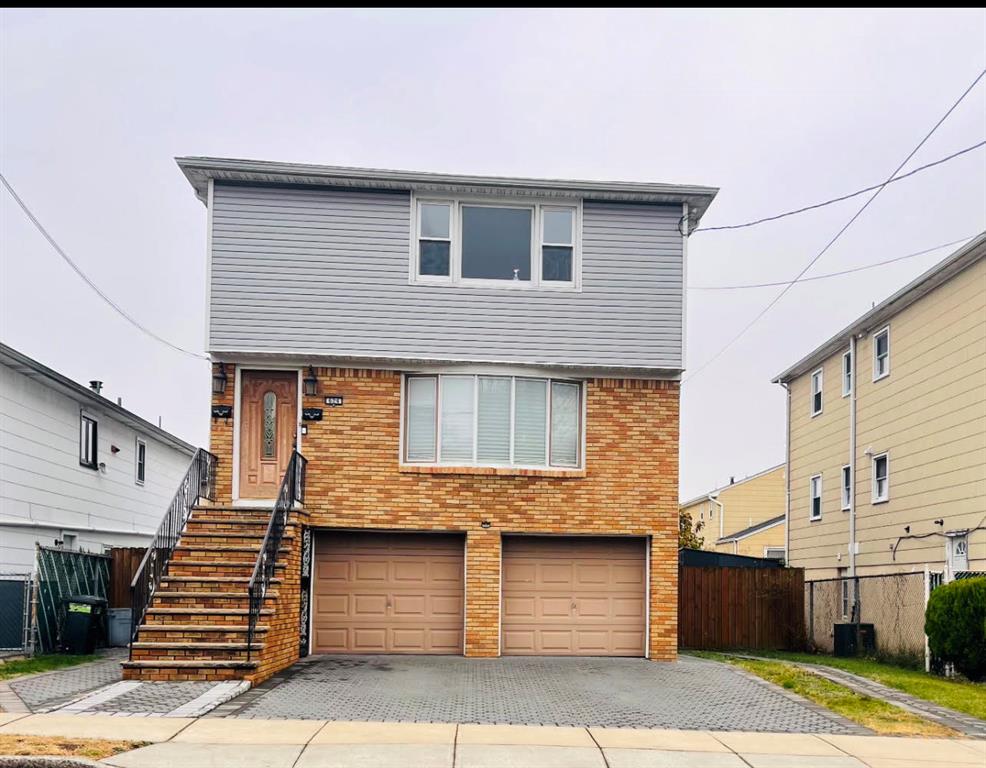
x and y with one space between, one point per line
689 694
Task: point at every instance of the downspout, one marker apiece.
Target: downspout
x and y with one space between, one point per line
852 459
787 475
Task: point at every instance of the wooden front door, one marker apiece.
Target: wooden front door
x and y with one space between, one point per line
268 428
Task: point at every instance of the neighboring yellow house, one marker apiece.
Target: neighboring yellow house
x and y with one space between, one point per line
887 433
743 518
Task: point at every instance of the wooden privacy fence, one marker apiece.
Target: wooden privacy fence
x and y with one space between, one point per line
123 565
734 608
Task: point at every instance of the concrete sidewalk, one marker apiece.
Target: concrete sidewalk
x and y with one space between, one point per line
222 743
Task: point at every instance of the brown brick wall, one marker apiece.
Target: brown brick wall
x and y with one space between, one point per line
629 486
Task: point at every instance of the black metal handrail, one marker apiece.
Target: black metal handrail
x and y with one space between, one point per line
292 490
199 482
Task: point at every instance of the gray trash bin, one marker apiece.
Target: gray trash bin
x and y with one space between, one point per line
119 626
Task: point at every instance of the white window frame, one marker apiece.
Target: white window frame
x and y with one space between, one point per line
475 431
876 499
535 205
83 446
847 373
767 550
820 373
140 443
844 489
812 517
876 375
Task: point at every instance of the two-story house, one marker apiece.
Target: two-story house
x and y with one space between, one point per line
887 432
77 470
745 517
483 376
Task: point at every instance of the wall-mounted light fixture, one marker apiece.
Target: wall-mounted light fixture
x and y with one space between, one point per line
311 382
485 524
219 380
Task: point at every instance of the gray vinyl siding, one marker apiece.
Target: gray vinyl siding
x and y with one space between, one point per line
314 271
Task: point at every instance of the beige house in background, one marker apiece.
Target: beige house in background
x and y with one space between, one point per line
887 433
744 517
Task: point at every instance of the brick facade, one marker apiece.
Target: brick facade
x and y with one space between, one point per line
629 486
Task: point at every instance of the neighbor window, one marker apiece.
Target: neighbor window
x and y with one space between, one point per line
88 441
773 553
141 461
881 354
523 244
816 392
847 374
846 486
492 421
815 498
881 478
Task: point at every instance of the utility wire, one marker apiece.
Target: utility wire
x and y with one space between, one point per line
843 197
830 274
119 310
838 234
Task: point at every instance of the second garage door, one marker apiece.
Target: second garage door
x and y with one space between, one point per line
572 596
387 593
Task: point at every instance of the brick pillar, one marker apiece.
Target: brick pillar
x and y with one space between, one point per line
221 438
664 597
482 593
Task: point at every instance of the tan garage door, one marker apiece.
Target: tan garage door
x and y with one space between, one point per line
387 593
574 596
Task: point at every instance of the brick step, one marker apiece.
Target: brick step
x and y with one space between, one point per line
239 513
183 651
235 539
187 670
209 584
196 646
229 554
215 569
198 633
211 525
206 599
209 616
176 594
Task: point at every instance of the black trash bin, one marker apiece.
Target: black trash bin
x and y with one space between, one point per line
83 624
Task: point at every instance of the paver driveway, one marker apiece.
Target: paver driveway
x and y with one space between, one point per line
691 693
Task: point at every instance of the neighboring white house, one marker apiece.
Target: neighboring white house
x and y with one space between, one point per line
76 470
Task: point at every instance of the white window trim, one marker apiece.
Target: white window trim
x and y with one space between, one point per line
137 444
535 205
874 499
820 372
847 390
811 498
83 416
402 449
846 492
876 376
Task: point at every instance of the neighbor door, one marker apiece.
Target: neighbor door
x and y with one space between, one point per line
268 429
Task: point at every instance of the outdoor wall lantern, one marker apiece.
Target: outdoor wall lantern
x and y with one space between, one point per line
311 382
219 380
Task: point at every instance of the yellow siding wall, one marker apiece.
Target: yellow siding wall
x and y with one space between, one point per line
745 503
929 414
753 546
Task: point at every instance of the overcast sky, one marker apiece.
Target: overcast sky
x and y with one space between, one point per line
778 109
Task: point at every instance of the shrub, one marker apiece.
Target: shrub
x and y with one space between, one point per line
955 623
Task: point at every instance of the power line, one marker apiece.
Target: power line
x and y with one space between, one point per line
843 197
119 310
830 274
838 234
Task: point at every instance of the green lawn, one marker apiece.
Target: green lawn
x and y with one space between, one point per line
958 695
875 714
44 663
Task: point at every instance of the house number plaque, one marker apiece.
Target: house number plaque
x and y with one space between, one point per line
333 401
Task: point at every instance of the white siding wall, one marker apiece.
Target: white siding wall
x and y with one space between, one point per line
45 491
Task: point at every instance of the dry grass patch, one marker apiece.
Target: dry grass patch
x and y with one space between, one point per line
58 746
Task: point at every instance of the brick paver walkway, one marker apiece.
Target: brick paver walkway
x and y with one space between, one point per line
52 689
632 693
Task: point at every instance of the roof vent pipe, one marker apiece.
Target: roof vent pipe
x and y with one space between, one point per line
732 479
96 386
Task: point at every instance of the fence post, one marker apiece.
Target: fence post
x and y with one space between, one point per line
811 614
927 594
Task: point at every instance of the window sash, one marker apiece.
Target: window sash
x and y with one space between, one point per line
847 374
881 360
141 461
88 441
489 420
815 497
881 478
846 486
816 393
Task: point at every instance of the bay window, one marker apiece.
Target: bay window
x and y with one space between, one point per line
496 421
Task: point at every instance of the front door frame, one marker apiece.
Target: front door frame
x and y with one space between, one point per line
237 380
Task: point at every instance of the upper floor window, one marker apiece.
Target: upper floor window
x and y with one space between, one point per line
816 392
141 461
88 441
881 354
522 245
492 421
847 373
846 486
815 498
881 478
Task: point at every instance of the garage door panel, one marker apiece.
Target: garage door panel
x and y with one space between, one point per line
574 596
388 593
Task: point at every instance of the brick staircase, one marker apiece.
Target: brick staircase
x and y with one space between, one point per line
196 625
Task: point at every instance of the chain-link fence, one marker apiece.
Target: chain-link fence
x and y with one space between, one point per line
16 590
62 573
892 603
